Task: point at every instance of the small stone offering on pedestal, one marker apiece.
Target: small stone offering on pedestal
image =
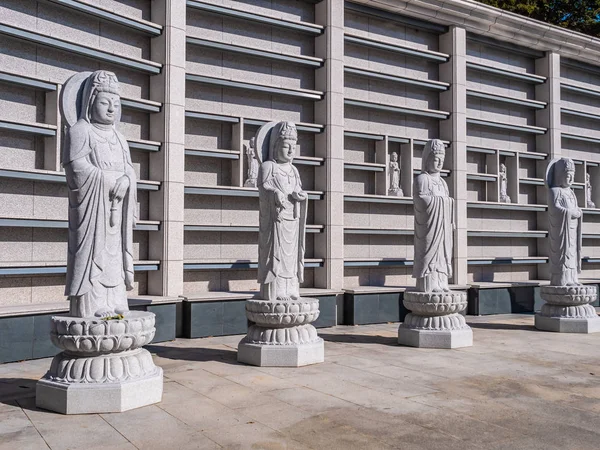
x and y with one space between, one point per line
395 189
103 367
434 321
567 308
281 334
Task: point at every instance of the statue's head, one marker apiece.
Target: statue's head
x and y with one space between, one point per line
282 144
564 172
433 156
502 168
101 100
394 157
587 177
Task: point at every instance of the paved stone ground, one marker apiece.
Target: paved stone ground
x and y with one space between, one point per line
516 388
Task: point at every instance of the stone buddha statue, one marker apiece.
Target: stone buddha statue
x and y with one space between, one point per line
565 220
102 198
433 222
283 207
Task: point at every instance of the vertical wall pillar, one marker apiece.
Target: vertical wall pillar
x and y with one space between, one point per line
52 145
551 142
330 144
168 165
549 92
454 42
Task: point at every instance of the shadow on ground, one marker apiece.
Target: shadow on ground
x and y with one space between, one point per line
502 326
360 339
194 354
15 389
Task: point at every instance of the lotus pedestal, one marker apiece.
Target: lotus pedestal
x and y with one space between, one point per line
281 334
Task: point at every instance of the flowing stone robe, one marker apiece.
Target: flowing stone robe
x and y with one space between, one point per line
565 236
281 232
100 256
434 221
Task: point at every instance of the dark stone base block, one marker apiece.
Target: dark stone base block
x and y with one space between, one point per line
362 309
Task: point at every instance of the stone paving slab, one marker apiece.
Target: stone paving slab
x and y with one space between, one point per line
516 388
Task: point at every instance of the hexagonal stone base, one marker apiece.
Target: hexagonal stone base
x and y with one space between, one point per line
293 355
94 398
567 325
435 338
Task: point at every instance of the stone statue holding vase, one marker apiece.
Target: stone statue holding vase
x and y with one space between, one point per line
281 334
435 321
567 307
103 367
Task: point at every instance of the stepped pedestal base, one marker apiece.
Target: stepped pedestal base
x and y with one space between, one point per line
95 398
568 310
103 367
282 335
293 355
434 321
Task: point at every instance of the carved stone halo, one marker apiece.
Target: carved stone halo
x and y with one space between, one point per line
71 98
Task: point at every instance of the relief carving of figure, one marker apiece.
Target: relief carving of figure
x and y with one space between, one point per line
283 208
102 197
252 161
504 198
395 188
434 222
588 192
565 219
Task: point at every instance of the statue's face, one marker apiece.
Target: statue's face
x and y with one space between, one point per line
394 157
105 109
435 163
285 150
568 178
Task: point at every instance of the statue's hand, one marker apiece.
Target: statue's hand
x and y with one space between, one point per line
299 196
279 199
576 214
120 189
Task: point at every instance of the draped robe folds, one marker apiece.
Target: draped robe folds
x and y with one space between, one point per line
282 230
433 226
97 273
565 233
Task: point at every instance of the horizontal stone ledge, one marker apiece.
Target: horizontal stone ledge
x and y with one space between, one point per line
399 49
426 84
141 65
526 77
262 54
507 261
297 93
237 192
505 99
37 268
142 26
238 265
142 225
302 27
59 177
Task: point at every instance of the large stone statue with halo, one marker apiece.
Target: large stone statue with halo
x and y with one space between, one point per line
567 307
282 334
435 321
103 367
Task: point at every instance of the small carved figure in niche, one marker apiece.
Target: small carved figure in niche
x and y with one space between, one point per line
588 192
395 188
434 222
102 197
504 198
252 172
565 219
283 208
